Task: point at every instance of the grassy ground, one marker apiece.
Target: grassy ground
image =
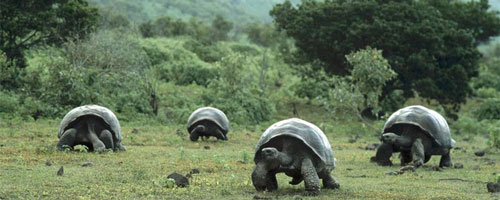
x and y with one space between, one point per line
156 151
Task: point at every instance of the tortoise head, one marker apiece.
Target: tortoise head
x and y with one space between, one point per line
270 153
389 138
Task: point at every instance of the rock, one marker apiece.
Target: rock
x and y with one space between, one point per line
180 180
48 163
87 164
479 153
195 171
458 165
371 147
457 148
493 187
60 172
407 168
394 173
206 147
1 145
348 169
476 167
135 131
188 175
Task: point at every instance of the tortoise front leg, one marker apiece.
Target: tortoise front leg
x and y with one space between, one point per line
97 144
272 183
107 138
445 160
405 158
311 179
383 155
417 152
259 176
67 139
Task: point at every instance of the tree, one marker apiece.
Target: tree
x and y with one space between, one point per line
433 53
24 24
361 89
220 28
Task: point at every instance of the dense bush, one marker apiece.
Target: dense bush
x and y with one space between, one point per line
108 69
172 62
237 91
489 109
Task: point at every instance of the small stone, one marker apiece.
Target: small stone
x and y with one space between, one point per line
87 164
60 172
48 163
135 131
206 147
1 145
195 171
457 148
476 167
180 180
490 162
407 168
493 187
458 165
479 153
348 169
371 147
188 175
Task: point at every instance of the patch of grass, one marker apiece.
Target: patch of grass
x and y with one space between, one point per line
155 151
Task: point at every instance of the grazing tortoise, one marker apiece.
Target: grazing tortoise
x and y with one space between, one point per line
418 133
300 150
206 122
91 125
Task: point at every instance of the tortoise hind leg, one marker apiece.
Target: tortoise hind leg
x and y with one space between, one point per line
445 160
196 132
328 181
311 179
67 139
107 138
296 180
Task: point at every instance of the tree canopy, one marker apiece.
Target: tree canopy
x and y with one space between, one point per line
26 23
429 44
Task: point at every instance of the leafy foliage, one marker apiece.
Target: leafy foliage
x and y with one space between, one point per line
432 54
489 109
108 69
27 23
362 89
238 92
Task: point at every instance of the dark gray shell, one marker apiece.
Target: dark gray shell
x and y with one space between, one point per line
307 132
107 115
208 113
426 119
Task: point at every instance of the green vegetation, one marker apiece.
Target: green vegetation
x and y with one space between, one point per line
427 43
154 62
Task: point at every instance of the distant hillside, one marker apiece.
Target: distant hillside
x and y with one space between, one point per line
238 11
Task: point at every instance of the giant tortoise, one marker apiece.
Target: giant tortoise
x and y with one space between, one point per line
418 133
91 125
300 150
206 122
